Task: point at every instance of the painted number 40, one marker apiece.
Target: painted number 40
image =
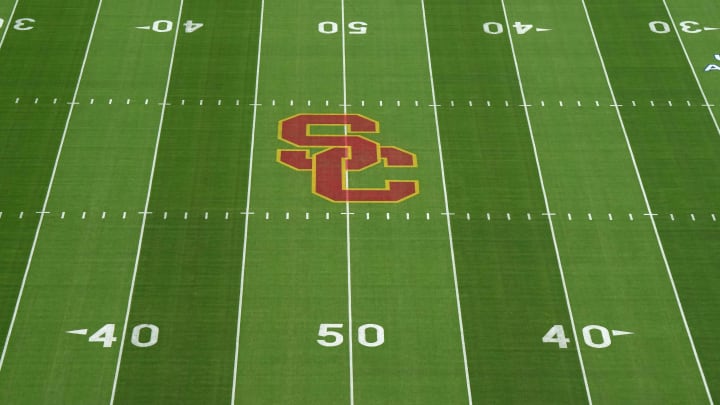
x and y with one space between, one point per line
595 336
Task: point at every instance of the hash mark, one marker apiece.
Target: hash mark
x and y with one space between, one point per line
123 216
529 217
84 215
692 216
590 217
631 217
579 104
561 104
569 216
62 215
634 104
672 217
185 216
597 103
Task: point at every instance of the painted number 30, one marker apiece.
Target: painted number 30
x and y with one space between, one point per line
21 24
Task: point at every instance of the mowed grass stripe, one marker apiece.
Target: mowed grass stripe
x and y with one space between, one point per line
509 283
402 268
188 280
296 274
30 146
145 212
676 150
81 268
590 167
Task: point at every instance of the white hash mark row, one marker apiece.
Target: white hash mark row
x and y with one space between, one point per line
365 103
287 215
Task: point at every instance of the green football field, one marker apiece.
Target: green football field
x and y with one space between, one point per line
359 202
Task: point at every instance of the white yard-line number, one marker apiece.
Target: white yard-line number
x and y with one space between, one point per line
164 26
690 27
496 28
368 335
143 335
354 28
594 336
21 24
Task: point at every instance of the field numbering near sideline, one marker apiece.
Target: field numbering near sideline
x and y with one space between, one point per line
143 335
594 336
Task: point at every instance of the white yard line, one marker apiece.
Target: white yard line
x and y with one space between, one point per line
447 206
8 22
547 206
347 213
647 204
247 205
145 212
692 68
49 189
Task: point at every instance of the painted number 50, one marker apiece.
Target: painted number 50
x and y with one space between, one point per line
354 28
368 335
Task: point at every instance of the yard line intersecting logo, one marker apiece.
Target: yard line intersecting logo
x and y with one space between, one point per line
344 153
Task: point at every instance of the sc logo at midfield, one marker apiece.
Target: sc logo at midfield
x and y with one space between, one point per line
343 153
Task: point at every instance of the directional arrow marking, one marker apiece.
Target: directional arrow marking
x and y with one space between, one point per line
620 333
78 332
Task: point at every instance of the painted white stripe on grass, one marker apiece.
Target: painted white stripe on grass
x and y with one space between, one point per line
347 209
692 69
647 202
8 22
447 206
146 211
547 208
49 189
247 205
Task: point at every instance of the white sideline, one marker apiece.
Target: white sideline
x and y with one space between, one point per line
147 206
547 208
447 206
247 205
49 189
647 202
